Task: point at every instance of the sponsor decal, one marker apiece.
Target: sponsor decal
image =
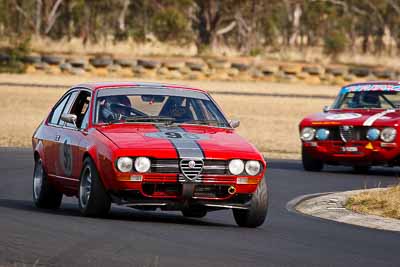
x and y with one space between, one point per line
370 87
343 116
66 157
380 115
325 123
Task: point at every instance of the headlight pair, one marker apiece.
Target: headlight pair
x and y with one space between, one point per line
126 164
387 134
309 133
237 166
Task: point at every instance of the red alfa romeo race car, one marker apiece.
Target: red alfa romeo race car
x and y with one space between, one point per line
147 146
360 129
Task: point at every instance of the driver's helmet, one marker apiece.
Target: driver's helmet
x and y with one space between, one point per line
177 111
112 107
370 99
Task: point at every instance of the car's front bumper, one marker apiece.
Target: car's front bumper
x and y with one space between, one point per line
162 187
353 152
135 199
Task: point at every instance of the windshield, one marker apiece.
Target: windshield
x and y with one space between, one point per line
368 100
157 105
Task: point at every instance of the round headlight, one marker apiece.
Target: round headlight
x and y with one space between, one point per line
373 134
252 167
124 164
322 134
388 134
236 166
142 164
307 134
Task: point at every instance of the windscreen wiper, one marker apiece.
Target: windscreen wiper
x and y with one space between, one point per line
203 122
150 118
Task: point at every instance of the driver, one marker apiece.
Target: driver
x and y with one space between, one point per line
114 107
370 99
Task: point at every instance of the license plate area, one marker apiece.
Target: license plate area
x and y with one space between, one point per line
349 149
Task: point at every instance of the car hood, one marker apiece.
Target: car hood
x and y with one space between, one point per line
355 117
210 141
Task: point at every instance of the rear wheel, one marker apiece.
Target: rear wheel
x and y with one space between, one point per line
311 164
257 212
44 194
93 198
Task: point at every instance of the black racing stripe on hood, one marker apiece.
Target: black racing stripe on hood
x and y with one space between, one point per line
185 147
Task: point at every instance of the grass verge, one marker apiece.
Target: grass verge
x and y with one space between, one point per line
270 123
385 202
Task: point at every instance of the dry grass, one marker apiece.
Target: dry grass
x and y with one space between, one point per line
212 86
22 110
268 122
385 202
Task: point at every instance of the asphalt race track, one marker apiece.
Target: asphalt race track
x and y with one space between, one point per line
29 236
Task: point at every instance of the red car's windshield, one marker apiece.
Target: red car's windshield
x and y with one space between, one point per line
129 105
368 100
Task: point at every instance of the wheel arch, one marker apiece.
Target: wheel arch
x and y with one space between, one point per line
93 155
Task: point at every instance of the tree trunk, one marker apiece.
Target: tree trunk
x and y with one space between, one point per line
38 17
122 16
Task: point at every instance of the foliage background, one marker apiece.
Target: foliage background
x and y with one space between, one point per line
249 27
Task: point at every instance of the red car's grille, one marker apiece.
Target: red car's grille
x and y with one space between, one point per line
347 133
210 167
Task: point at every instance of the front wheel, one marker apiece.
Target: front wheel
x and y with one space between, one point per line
45 196
93 198
257 212
311 164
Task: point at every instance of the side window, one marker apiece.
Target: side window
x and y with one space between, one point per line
79 108
56 114
68 105
85 121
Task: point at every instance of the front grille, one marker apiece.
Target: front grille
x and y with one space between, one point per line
191 168
164 166
346 133
211 167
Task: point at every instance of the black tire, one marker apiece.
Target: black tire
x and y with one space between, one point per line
195 66
194 213
148 64
257 212
360 71
31 59
45 196
361 168
101 62
95 202
52 60
240 66
310 163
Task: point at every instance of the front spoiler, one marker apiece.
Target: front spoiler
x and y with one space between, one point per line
239 201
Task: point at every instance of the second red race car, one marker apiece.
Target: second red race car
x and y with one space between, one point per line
360 129
147 146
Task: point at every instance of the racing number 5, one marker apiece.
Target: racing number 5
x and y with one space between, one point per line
173 135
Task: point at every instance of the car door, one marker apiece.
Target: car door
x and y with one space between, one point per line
70 153
50 134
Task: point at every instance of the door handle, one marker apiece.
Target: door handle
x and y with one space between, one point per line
57 138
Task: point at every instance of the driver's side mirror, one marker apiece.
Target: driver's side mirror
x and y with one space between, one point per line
69 118
234 123
325 109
